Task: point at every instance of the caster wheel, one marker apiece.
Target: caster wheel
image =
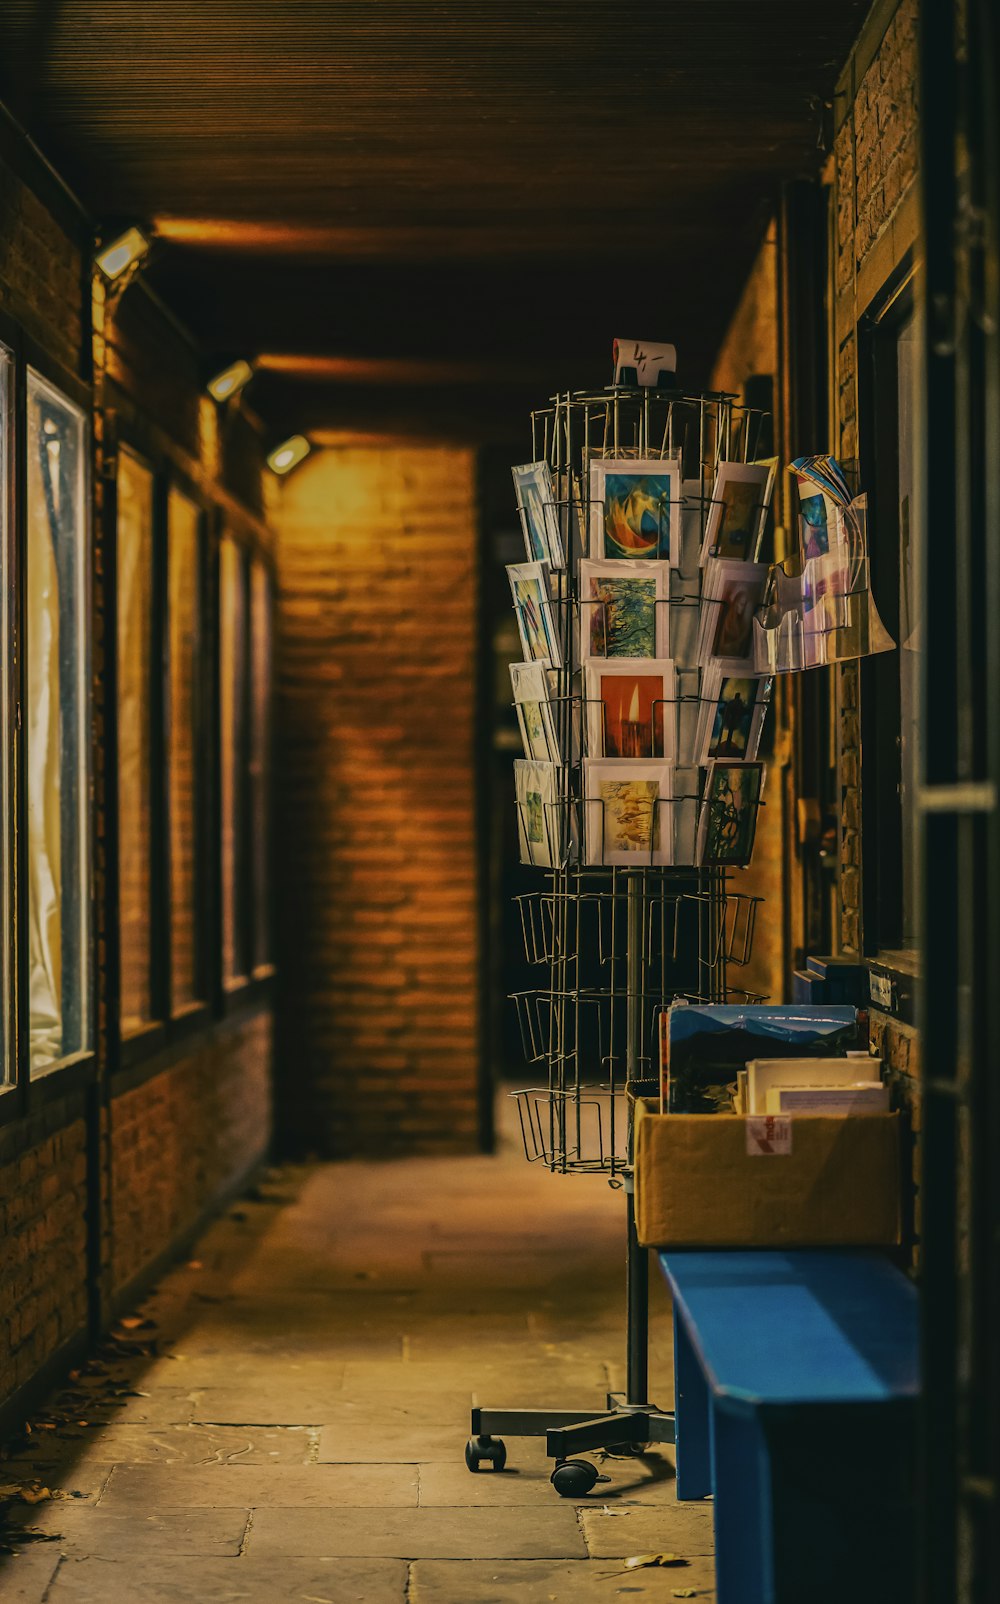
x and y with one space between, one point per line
574 1477
488 1450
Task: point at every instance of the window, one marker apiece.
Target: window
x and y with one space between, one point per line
6 789
183 744
260 758
56 713
234 773
891 739
135 679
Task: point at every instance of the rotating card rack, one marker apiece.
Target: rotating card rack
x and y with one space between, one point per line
615 945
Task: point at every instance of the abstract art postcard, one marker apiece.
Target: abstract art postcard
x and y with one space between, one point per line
538 813
635 508
729 814
529 584
624 609
530 684
536 503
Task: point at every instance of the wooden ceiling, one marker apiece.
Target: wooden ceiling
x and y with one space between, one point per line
456 204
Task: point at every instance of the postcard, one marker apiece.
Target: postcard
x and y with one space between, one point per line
738 509
728 822
732 715
635 508
536 503
628 814
540 813
731 595
529 584
624 609
531 687
631 709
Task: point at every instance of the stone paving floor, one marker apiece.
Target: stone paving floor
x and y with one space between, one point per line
284 1419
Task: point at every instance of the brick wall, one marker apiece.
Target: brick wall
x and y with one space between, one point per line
170 1145
876 223
43 1262
184 1136
41 271
377 874
875 165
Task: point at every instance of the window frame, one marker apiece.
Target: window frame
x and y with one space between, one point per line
881 714
23 1094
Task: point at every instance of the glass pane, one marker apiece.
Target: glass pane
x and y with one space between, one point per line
232 677
260 758
135 672
184 586
56 713
7 811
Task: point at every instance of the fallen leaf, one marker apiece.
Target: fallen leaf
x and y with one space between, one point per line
34 1495
683 1592
131 1322
195 1264
641 1561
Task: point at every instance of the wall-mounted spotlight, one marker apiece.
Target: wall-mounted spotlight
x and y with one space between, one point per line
230 381
289 454
122 253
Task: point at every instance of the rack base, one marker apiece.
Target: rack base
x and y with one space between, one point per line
568 1432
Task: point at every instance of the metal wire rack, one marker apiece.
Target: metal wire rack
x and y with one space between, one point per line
620 944
615 944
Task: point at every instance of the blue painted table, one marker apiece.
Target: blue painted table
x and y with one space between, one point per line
796 1378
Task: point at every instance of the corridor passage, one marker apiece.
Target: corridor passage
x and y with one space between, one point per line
284 1419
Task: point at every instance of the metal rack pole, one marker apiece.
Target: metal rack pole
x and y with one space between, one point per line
637 1260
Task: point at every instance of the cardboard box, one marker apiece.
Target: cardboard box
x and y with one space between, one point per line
725 1180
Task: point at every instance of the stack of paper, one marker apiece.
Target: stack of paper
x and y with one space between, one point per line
811 1086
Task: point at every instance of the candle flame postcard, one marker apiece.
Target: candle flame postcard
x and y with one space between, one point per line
631 710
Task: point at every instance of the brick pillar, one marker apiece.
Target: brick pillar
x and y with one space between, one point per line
377 857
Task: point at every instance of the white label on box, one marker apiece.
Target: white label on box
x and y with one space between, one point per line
769 1133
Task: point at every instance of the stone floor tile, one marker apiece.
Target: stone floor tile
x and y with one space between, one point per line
228 1581
164 1407
668 1526
416 1533
83 1531
177 1445
25 1577
261 1486
276 1405
539 1581
391 1442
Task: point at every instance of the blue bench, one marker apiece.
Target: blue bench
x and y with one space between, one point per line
796 1380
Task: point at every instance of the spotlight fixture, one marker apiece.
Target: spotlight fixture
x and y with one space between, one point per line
122 253
289 454
230 381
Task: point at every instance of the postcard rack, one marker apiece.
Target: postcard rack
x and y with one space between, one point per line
615 944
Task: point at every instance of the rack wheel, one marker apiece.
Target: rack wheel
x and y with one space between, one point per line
574 1477
490 1450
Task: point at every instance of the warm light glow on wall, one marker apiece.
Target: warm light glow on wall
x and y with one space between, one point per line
289 454
230 381
114 259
